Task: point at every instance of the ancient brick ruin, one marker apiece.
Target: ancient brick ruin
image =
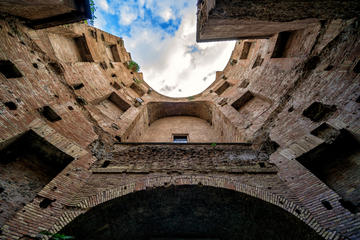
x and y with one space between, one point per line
269 151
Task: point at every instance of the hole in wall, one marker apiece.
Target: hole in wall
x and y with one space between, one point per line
113 75
262 164
119 102
282 44
118 138
258 62
326 204
312 63
33 167
57 68
349 206
291 109
105 164
357 67
78 86
35 65
2 189
70 108
10 34
80 101
318 111
83 49
139 91
102 37
49 114
46 202
222 88
328 68
9 70
10 105
244 84
334 162
246 50
116 85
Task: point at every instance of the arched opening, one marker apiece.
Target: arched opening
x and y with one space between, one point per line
188 212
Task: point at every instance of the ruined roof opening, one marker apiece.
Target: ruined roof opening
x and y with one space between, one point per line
161 38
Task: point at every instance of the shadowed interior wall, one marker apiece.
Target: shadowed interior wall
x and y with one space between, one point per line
197 129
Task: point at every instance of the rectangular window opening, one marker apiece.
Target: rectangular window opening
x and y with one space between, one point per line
137 89
83 48
9 70
180 138
282 44
119 102
238 104
245 50
222 88
115 53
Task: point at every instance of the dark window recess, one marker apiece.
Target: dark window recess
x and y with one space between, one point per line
102 37
93 33
103 65
49 114
329 67
245 50
46 202
349 206
357 67
35 166
105 164
222 88
9 70
262 164
57 68
318 111
180 138
118 138
282 44
81 101
137 89
358 99
312 63
78 86
119 102
10 105
115 53
326 132
116 85
244 84
83 49
335 163
2 189
258 61
326 204
242 100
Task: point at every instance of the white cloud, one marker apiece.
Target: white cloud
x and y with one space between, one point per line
103 4
173 64
127 15
166 14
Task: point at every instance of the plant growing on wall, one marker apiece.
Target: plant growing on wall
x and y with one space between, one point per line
92 9
56 236
133 66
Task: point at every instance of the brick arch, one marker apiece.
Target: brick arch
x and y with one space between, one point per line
83 205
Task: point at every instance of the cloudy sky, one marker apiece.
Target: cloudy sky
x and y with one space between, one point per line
160 35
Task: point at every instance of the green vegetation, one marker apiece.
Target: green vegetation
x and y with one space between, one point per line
213 144
191 98
138 81
56 236
133 66
92 9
